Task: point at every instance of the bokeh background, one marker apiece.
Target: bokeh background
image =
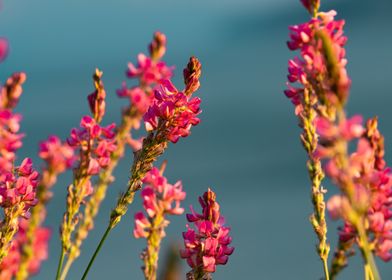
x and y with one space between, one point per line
247 146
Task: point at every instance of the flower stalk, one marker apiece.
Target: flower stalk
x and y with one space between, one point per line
171 116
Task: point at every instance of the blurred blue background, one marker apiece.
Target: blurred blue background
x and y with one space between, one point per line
247 146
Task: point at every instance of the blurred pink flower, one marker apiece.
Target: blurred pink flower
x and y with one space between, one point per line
10 264
58 156
3 48
148 70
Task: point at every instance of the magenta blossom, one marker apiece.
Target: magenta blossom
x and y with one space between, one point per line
58 156
174 111
137 96
307 70
10 264
148 70
97 141
159 199
19 186
207 245
366 179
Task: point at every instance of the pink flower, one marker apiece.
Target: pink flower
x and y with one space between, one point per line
207 245
159 199
58 156
10 140
148 70
137 96
10 264
370 182
3 48
306 70
174 111
142 226
19 186
96 143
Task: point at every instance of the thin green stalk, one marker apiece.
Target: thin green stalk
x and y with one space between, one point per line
105 235
60 265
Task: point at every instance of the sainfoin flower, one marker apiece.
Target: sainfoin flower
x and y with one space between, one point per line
160 199
95 142
207 244
10 264
366 183
150 71
58 156
10 139
19 187
172 110
312 71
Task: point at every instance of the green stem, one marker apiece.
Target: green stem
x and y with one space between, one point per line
60 265
105 235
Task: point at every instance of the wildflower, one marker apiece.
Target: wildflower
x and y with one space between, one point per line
95 142
57 156
207 245
325 78
160 199
10 266
176 112
139 98
148 70
366 184
20 187
17 196
10 139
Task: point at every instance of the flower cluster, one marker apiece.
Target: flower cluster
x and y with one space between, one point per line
370 191
10 266
57 156
10 139
95 143
19 187
207 245
321 68
149 71
159 199
174 111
